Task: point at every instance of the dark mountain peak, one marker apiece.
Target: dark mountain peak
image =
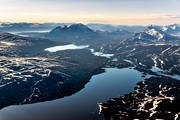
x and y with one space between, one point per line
75 27
57 28
65 27
71 31
80 27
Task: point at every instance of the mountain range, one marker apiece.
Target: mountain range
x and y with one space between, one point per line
154 35
12 27
82 34
21 27
169 29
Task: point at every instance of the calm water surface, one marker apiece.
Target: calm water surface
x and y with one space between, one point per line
81 105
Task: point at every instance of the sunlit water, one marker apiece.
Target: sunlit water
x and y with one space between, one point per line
65 47
81 105
75 47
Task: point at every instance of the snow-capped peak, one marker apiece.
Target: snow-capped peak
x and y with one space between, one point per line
164 28
161 36
169 28
173 27
155 33
152 32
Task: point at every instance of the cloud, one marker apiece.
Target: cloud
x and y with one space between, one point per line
173 16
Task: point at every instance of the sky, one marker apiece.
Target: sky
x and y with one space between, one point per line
121 12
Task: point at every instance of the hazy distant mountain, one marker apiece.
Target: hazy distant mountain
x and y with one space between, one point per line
102 27
17 45
21 27
117 35
108 27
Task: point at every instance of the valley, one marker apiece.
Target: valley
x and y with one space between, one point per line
60 63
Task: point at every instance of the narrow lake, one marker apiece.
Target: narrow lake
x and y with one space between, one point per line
75 47
65 47
81 105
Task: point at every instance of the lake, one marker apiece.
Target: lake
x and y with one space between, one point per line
81 105
66 47
75 47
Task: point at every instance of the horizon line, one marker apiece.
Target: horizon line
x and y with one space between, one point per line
1 22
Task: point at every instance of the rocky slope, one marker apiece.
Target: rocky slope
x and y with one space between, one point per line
154 98
29 74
